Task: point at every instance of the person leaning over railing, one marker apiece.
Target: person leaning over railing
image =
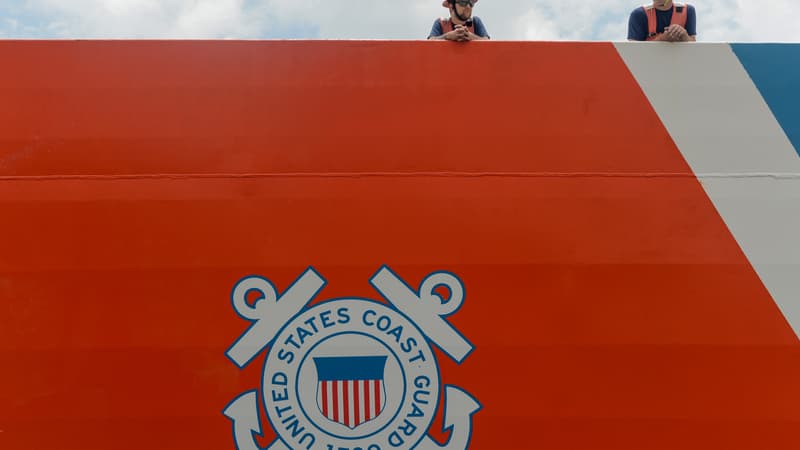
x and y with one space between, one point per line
461 25
663 21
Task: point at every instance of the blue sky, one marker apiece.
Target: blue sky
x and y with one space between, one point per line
735 20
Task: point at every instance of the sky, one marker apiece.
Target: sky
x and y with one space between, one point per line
718 20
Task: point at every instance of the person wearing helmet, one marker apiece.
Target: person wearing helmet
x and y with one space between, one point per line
461 25
663 21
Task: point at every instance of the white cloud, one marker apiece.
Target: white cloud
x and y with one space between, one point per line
769 20
148 18
718 20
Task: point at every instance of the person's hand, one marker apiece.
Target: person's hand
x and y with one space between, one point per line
669 34
459 33
452 35
472 36
676 33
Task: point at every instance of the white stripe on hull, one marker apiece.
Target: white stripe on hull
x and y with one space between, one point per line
722 125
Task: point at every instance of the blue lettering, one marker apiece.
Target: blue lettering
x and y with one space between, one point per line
397 332
344 315
384 323
408 345
285 355
326 319
369 313
302 333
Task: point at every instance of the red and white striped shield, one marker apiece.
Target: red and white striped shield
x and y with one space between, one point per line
351 390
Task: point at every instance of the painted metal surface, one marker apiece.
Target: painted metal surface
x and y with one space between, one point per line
623 219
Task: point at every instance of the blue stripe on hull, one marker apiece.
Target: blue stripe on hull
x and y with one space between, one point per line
775 70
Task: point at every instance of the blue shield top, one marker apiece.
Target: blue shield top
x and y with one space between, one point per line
350 368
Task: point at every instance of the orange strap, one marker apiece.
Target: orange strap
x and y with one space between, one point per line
447 26
652 22
680 13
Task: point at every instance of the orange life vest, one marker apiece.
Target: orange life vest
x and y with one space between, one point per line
447 26
679 14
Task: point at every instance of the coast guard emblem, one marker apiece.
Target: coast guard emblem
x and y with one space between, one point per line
350 373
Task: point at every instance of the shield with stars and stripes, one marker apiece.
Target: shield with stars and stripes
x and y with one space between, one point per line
351 389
